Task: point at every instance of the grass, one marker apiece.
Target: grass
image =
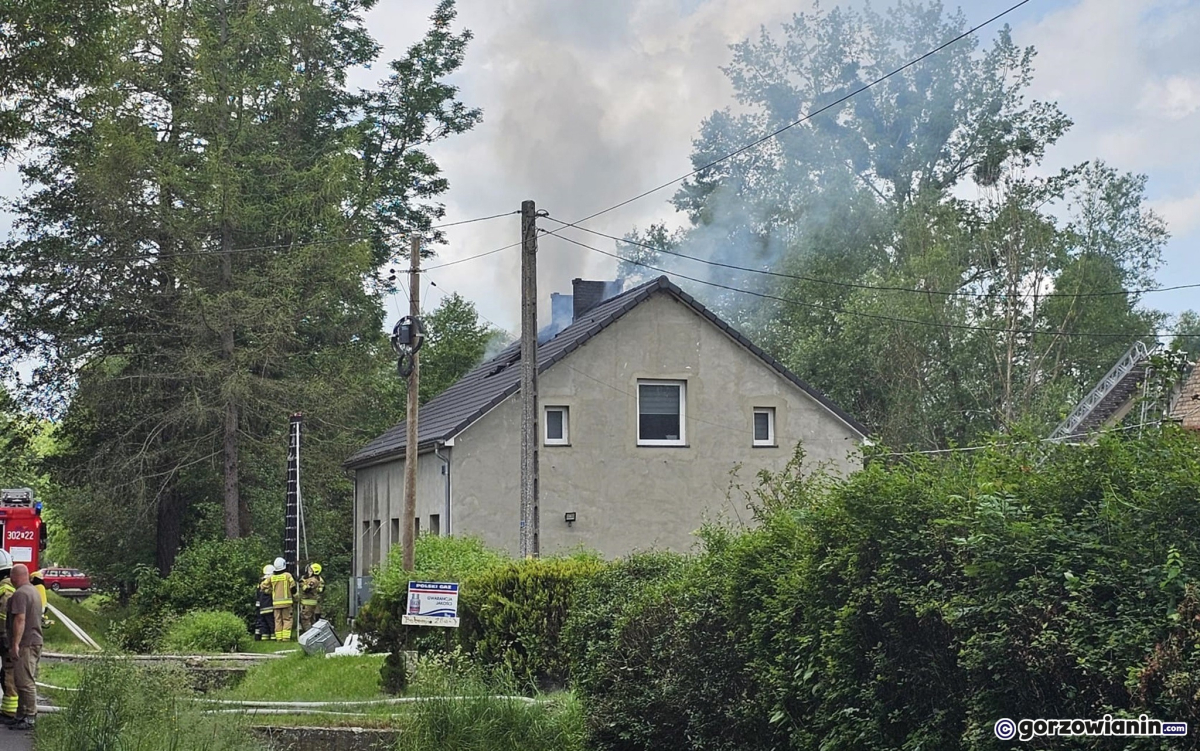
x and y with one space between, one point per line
94 623
270 647
468 712
66 675
300 677
134 708
139 708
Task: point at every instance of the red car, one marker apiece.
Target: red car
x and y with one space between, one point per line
65 578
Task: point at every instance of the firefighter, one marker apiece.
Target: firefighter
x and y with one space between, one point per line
8 705
283 600
38 580
312 586
265 628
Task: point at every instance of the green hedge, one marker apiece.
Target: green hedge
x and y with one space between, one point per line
912 605
436 559
512 617
511 612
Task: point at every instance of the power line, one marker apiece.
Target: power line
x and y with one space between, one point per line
469 258
859 285
982 447
278 246
874 316
476 219
481 316
810 115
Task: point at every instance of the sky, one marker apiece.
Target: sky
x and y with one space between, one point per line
588 103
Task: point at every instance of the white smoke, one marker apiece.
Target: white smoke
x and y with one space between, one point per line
587 104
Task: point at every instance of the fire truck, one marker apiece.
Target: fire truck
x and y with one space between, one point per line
21 527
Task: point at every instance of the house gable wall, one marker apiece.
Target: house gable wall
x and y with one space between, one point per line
628 497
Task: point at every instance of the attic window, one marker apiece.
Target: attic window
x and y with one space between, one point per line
556 427
661 413
764 426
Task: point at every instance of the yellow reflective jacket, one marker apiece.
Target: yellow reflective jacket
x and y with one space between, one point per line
311 588
6 591
283 589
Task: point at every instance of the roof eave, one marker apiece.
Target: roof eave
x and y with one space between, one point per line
425 447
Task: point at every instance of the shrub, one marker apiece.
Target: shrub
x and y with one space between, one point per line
435 558
512 617
100 603
911 605
511 612
379 622
122 706
217 575
214 575
604 602
142 633
206 631
653 660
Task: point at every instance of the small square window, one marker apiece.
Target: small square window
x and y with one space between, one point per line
764 426
556 433
661 413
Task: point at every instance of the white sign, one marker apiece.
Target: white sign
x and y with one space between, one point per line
431 604
21 554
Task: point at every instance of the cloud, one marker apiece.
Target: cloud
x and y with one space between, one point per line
1173 98
1181 214
585 105
1128 74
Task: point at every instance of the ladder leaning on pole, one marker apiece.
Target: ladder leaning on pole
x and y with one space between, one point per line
1110 400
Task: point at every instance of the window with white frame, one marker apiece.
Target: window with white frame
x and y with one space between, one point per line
662 413
764 426
556 433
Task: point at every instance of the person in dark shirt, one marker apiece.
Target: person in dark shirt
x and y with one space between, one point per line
23 622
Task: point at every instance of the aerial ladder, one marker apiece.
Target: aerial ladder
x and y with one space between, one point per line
1110 401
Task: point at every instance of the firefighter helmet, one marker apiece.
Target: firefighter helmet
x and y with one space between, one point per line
6 561
280 564
268 570
316 569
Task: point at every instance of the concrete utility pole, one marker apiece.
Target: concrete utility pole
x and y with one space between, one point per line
408 532
529 400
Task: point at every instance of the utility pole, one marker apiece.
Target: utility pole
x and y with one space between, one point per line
529 399
408 524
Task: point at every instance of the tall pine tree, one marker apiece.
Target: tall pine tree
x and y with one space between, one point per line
199 249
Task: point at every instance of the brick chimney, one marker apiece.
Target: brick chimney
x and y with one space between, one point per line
586 295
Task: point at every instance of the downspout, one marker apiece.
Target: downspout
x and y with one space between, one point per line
446 472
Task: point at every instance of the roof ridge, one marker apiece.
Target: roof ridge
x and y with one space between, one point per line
491 382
